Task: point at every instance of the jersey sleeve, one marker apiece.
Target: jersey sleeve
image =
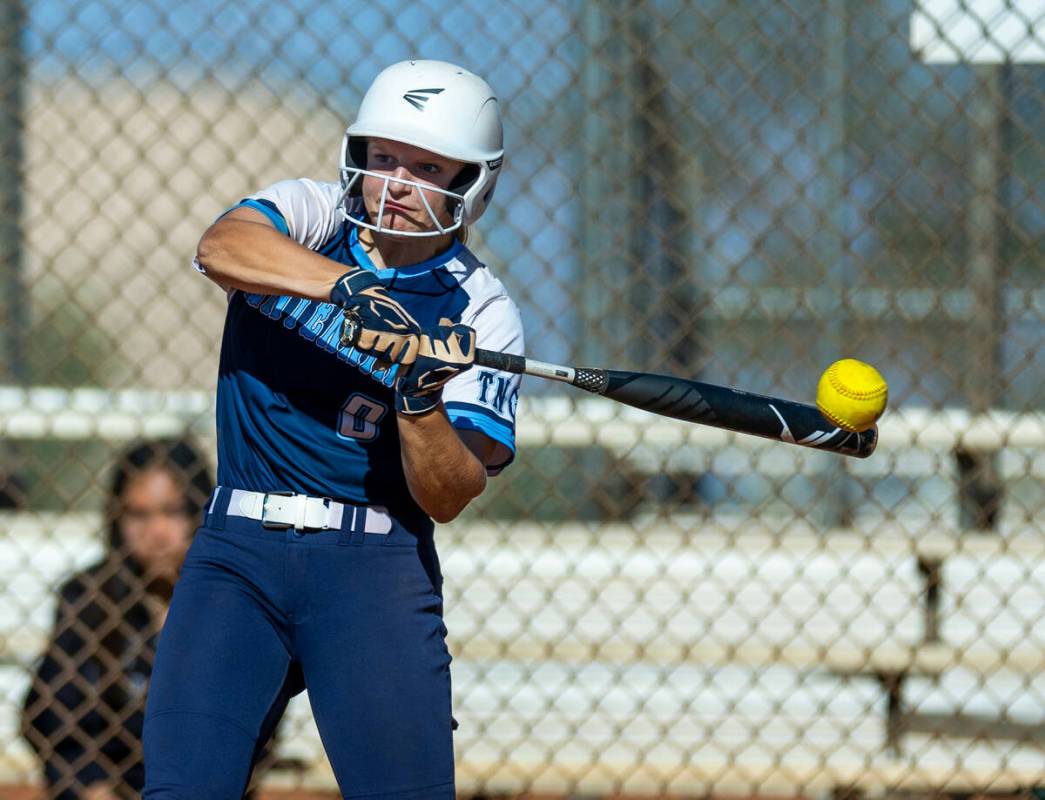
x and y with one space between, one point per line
483 399
305 210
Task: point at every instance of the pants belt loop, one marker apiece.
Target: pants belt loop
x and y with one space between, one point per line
219 508
348 523
358 524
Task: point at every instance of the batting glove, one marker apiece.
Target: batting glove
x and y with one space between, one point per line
374 322
444 352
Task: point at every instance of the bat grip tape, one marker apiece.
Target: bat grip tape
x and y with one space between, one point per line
504 362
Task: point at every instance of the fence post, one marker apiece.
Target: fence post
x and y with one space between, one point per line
14 315
835 476
978 485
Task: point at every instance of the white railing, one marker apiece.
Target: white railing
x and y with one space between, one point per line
568 421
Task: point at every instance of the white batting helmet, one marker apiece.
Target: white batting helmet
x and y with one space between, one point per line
439 107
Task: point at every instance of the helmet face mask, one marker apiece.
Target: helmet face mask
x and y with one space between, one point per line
351 183
438 107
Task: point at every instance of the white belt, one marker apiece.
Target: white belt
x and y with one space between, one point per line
300 511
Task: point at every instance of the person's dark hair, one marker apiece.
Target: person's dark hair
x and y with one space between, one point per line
176 456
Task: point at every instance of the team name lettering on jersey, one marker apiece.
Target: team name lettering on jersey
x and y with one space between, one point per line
322 328
496 397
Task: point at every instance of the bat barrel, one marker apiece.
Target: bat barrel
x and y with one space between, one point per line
736 410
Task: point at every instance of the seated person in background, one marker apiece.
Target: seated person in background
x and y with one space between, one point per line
84 711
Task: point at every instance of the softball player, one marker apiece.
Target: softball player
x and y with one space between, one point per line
315 564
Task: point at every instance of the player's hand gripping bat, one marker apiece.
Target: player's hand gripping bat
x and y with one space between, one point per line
695 401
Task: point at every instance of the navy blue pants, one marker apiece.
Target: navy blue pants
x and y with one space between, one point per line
257 614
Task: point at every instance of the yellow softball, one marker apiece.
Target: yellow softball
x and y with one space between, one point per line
852 394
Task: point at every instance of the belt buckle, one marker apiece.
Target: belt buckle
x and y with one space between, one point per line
325 504
269 524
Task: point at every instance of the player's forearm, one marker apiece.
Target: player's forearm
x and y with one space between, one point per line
255 257
444 476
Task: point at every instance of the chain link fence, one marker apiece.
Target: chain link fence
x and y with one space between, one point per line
736 191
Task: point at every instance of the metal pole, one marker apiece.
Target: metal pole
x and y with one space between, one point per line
13 297
664 287
979 491
665 201
835 478
12 113
606 185
606 225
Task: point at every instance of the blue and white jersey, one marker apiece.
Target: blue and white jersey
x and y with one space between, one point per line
298 412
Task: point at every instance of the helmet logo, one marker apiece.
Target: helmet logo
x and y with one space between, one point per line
418 97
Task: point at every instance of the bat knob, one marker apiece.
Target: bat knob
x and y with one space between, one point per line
351 328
